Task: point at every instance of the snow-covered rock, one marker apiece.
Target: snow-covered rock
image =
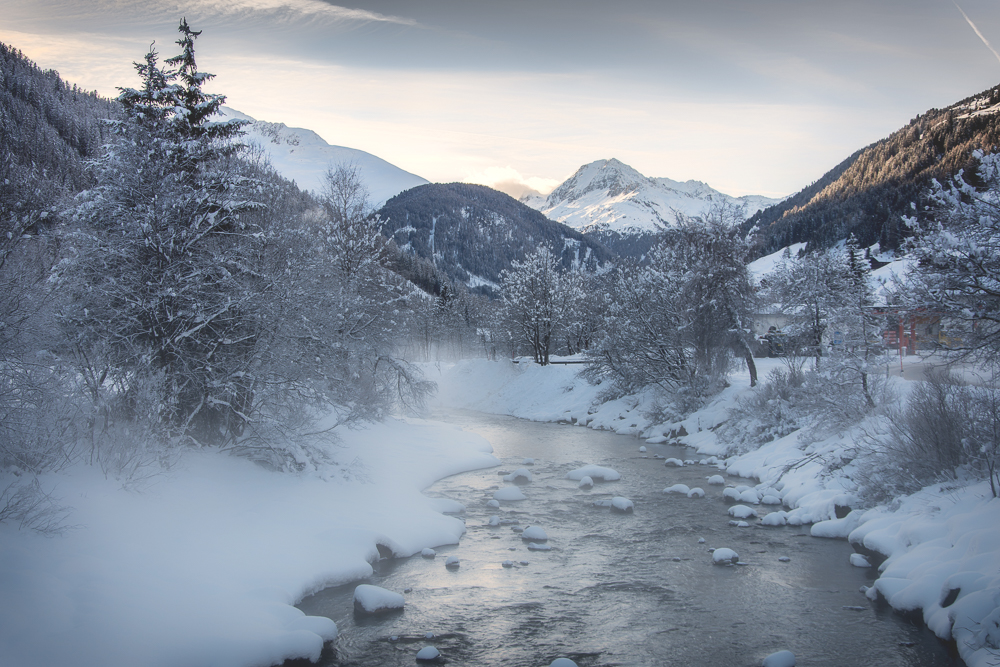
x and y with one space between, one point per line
674 462
742 512
528 461
519 476
452 562
642 449
717 479
729 493
858 560
562 662
779 659
534 534
428 553
586 482
494 503
622 505
494 521
696 492
534 546
779 518
725 556
370 599
428 654
594 472
678 488
509 493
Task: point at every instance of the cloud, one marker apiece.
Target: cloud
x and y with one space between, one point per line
510 181
976 30
304 8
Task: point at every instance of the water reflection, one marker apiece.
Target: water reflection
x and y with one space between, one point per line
635 589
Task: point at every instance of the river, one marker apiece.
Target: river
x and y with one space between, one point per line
632 589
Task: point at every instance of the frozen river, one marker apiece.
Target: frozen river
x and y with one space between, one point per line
634 589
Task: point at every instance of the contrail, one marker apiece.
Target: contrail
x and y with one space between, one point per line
979 34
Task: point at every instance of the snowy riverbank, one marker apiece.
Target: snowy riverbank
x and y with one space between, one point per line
941 546
201 564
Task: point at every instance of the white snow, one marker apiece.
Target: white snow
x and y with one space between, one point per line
779 659
696 492
678 488
562 662
586 482
858 560
428 653
607 194
717 479
534 534
742 512
725 556
201 564
303 156
374 599
622 504
522 475
674 462
427 552
594 472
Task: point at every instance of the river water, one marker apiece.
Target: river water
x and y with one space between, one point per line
633 589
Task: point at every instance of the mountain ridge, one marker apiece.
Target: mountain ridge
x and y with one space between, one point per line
609 196
301 155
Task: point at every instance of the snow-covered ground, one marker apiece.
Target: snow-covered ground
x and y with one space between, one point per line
201 564
941 545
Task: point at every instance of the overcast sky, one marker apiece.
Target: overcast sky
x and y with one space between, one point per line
750 96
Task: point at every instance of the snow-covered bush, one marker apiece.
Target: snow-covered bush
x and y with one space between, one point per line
767 412
945 430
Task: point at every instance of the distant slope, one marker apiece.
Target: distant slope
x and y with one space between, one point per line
869 192
48 129
302 156
608 196
472 232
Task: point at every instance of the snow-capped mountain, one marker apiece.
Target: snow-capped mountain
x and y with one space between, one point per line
302 156
609 196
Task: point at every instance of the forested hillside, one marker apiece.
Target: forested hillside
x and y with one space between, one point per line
473 232
47 129
869 192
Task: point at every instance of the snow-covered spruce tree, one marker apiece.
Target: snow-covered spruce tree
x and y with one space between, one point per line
535 302
958 259
163 262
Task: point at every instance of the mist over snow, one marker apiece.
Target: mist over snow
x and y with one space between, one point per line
201 564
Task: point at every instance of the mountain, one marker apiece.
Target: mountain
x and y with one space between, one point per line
303 156
472 232
609 196
868 193
48 130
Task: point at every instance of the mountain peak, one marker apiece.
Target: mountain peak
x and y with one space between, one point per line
609 195
303 156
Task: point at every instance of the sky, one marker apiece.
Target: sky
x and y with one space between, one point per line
749 96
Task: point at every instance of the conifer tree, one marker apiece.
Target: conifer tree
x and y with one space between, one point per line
164 265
